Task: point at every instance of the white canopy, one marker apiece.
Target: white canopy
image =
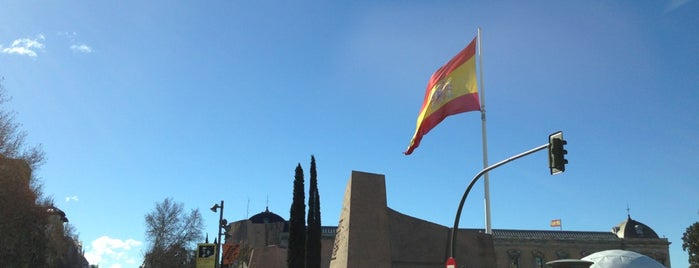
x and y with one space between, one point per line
621 259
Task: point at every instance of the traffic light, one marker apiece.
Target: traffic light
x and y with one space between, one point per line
227 232
557 161
226 229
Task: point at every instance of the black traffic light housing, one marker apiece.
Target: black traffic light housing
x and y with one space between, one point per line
557 161
226 229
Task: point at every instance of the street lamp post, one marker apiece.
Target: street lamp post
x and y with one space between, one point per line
219 261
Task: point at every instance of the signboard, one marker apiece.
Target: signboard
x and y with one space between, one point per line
206 255
230 253
451 263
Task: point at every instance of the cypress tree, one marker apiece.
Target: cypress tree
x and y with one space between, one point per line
296 252
313 246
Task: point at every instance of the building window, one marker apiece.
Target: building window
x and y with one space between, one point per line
538 259
584 253
513 255
639 230
514 262
561 254
538 262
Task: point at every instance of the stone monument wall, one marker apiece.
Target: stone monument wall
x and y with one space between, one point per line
370 234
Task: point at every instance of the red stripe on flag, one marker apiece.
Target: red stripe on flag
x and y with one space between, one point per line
465 103
441 82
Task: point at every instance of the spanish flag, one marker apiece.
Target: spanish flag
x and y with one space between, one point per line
451 90
556 223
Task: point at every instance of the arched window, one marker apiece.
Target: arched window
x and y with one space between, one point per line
513 256
562 254
539 261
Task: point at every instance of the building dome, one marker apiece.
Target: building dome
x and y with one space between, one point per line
633 229
266 217
621 259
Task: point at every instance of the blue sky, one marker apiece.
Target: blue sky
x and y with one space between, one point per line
205 101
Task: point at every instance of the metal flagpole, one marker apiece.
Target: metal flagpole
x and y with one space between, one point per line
486 181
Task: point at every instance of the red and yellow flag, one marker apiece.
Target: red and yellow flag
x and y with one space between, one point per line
556 223
451 90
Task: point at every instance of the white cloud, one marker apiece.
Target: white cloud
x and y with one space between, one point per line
83 48
25 46
72 198
32 46
70 35
674 4
112 252
75 46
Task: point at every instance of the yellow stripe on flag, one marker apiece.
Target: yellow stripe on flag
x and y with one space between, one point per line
451 90
556 223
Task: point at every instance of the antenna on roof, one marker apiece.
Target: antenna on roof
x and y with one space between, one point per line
247 210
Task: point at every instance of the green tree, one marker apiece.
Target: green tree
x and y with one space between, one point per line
313 245
690 244
172 233
295 257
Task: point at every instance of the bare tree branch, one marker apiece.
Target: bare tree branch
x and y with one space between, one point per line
172 234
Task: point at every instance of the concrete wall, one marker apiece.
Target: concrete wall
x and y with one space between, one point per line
418 243
362 238
372 235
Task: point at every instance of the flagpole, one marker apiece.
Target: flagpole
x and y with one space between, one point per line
486 181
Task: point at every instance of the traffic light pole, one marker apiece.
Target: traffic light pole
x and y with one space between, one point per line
219 247
455 230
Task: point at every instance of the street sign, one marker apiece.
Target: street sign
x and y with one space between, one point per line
451 262
206 255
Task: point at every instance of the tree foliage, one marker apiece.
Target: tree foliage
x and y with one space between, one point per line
22 238
313 245
690 244
13 138
62 249
13 146
70 245
27 236
172 235
295 257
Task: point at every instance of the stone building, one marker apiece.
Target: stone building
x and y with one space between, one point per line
533 248
370 234
261 241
